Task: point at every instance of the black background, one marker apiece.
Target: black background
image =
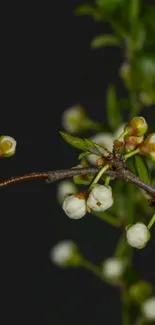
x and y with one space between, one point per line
47 66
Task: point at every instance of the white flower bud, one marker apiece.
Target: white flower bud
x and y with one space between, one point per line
64 189
113 268
148 309
75 206
105 140
7 146
138 235
62 252
100 198
72 117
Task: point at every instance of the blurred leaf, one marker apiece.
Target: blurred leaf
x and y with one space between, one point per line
141 168
104 40
89 10
83 154
113 112
109 5
83 144
134 8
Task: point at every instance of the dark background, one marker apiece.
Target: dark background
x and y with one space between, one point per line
46 67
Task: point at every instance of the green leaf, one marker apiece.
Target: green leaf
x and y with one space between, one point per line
89 10
141 168
83 154
83 144
104 40
113 111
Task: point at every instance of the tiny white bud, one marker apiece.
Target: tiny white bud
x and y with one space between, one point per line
113 268
72 117
137 235
148 309
75 206
7 146
62 252
100 198
105 140
64 189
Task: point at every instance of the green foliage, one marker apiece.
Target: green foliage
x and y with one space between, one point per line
79 143
104 40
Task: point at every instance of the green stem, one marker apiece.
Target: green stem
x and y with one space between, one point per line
99 175
107 181
92 268
151 222
132 153
121 137
113 221
125 308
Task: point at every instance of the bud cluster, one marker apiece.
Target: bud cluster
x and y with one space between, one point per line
134 130
98 199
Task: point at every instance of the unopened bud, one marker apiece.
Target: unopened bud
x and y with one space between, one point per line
131 142
7 146
64 189
75 206
140 291
148 309
137 126
137 235
148 146
72 117
113 268
100 198
65 253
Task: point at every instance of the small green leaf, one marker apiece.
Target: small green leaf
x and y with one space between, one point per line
104 40
113 112
83 154
141 168
82 144
88 10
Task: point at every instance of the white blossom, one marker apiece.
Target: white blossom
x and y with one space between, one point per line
64 189
75 206
105 140
113 268
148 309
62 252
100 198
138 235
72 117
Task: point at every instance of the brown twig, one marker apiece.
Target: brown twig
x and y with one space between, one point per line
56 175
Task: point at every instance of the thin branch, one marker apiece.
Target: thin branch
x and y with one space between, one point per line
53 176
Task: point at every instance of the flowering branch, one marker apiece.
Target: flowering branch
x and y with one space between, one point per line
56 175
